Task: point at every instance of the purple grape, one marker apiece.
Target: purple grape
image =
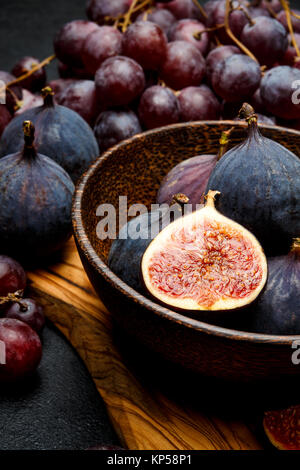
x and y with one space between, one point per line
113 126
184 65
5 117
290 54
69 41
237 21
266 38
295 21
14 94
275 5
163 18
81 96
216 56
158 107
29 101
34 82
66 72
198 103
146 43
28 311
277 92
237 78
60 84
257 102
119 81
97 10
182 9
12 276
255 12
22 350
100 44
184 30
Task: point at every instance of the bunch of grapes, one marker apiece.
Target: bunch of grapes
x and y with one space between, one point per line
139 64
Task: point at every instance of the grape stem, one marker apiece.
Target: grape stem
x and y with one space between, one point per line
29 73
134 7
286 7
228 10
12 297
200 7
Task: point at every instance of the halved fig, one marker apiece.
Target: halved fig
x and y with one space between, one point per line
282 428
204 261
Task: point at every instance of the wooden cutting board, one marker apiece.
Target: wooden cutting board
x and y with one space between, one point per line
143 411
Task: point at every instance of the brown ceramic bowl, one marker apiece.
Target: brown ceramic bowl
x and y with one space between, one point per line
135 168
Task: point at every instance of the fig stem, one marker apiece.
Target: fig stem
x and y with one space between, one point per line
29 73
28 129
247 112
210 198
228 10
12 297
224 140
286 6
47 94
181 199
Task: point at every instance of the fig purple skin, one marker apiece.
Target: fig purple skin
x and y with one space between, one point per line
189 177
277 310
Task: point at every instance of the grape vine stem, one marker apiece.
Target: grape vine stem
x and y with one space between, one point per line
286 7
243 48
29 73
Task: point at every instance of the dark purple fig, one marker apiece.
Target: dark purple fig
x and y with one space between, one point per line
61 134
190 177
13 93
35 202
260 185
277 310
127 249
34 82
5 117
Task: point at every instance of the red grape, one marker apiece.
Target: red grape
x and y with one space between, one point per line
12 276
14 93
60 84
295 22
198 103
113 126
257 102
255 12
184 30
22 350
28 311
34 82
163 18
66 71
146 43
182 9
237 21
184 65
291 54
266 38
97 10
29 101
237 78
69 41
81 96
100 44
216 56
277 91
5 117
119 81
158 107
275 5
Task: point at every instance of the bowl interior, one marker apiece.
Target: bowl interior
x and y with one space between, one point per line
135 168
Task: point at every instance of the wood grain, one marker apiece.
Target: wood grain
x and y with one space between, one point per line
143 415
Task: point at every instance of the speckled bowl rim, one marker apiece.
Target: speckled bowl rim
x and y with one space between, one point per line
103 270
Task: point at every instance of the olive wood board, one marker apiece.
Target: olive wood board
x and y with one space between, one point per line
150 408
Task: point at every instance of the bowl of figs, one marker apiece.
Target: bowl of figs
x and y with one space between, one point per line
190 235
